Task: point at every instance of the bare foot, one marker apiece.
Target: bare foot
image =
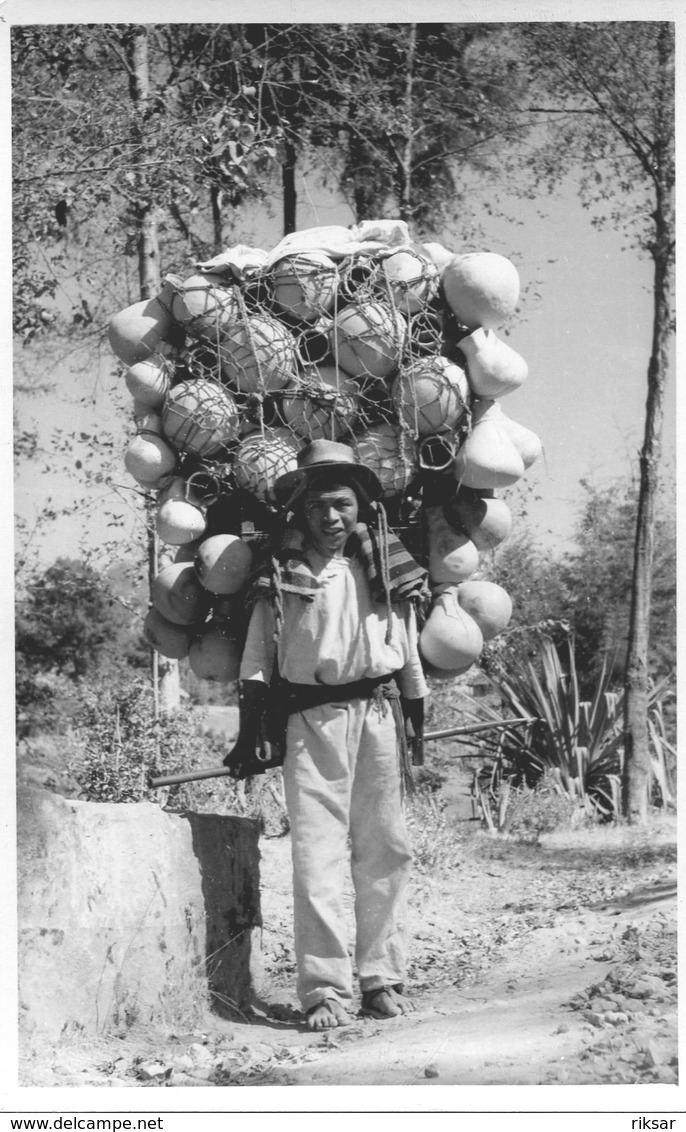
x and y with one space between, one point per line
326 1015
386 1002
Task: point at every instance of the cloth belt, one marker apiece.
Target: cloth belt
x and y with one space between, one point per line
300 697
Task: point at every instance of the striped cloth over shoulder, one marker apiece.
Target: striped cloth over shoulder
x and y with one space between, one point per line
407 579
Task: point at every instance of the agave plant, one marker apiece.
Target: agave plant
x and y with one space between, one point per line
580 740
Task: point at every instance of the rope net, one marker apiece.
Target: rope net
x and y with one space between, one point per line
310 348
361 349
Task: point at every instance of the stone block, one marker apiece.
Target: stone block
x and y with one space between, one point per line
128 914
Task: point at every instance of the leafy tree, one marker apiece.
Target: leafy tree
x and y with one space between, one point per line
532 579
418 105
597 581
69 626
606 90
84 133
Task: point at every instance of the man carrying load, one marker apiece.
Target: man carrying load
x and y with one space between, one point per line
332 643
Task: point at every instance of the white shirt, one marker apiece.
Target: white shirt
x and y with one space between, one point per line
336 638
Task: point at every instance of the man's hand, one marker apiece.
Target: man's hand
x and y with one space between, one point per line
251 754
413 713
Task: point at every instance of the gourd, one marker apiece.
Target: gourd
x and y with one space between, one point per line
481 288
200 417
488 458
148 383
368 338
223 563
205 306
493 368
391 454
258 355
486 520
166 638
304 285
453 557
431 396
214 655
261 458
410 277
180 518
321 404
488 604
144 328
148 457
527 443
178 595
450 639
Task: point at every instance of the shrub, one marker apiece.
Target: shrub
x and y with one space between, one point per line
531 813
119 746
435 847
580 740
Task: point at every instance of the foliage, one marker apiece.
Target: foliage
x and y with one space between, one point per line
533 580
596 579
584 591
603 95
435 846
69 625
120 744
77 145
417 108
117 744
607 94
524 812
580 740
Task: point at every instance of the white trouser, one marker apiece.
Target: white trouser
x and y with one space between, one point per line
341 778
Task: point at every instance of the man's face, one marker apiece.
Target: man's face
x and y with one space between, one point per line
330 517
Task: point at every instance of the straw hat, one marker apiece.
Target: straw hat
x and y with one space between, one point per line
322 456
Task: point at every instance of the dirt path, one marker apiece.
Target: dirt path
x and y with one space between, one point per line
551 964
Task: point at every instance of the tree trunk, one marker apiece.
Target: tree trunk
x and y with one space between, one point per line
165 672
636 769
405 195
217 227
290 196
